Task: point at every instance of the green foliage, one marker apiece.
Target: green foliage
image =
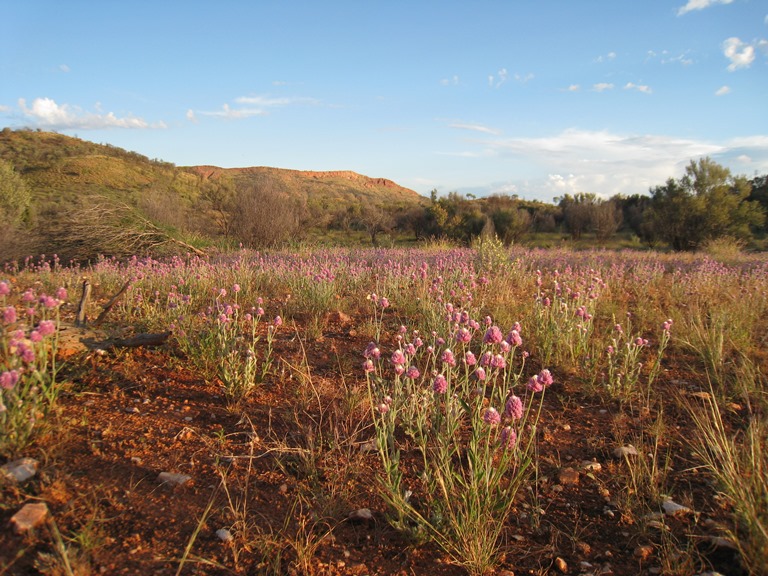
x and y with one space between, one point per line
15 198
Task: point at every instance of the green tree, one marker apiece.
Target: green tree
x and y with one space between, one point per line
15 198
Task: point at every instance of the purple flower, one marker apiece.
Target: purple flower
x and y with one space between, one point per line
278 321
514 407
498 362
514 338
412 373
222 293
666 326
368 366
398 358
485 359
236 288
28 296
9 379
35 336
4 289
480 373
9 315
469 358
61 293
508 438
463 335
545 377
534 385
448 357
493 335
440 384
492 416
384 303
259 311
383 408
27 353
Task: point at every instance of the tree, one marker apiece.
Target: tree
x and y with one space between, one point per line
606 219
15 198
578 213
263 216
706 203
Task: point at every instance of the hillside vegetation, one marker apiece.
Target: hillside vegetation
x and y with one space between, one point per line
80 200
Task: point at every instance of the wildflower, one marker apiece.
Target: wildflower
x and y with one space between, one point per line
534 385
403 330
222 293
492 416
236 288
399 369
368 366
667 325
498 362
28 296
26 352
384 303
610 350
248 317
4 289
410 349
480 373
469 358
641 341
463 335
514 407
383 408
61 293
9 379
259 311
35 336
545 377
418 342
412 373
9 315
505 347
448 357
493 335
485 359
514 338
508 437
440 384
398 358
277 321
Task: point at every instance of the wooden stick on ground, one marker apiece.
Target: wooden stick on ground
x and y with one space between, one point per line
111 303
81 318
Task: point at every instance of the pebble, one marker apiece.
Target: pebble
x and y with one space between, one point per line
674 509
567 427
591 466
623 451
20 470
643 552
30 516
173 478
361 515
132 410
568 476
561 565
224 535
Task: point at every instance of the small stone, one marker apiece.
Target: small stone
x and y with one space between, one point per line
224 535
136 460
624 451
655 570
720 542
561 566
132 410
361 515
674 509
643 552
585 566
173 478
30 516
568 476
591 466
283 488
20 470
567 427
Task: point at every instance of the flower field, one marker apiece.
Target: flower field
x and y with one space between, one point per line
406 411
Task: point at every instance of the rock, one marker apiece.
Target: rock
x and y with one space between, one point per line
173 478
568 476
591 466
132 410
625 451
338 317
361 515
224 535
561 566
720 542
674 509
20 470
30 516
643 552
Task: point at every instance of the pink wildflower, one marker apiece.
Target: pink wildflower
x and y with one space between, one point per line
448 357
469 358
480 373
9 379
368 366
398 358
514 337
545 377
277 321
383 408
492 416
493 335
498 362
4 289
35 336
508 438
61 293
463 335
236 288
384 303
534 385
28 296
514 407
9 315
485 359
440 384
412 373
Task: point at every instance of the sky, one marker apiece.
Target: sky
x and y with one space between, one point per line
538 98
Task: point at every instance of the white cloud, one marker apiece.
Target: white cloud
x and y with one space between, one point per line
608 163
46 113
475 128
452 81
4 108
739 53
723 90
639 87
524 79
250 106
606 58
573 88
499 79
64 68
191 116
699 5
602 86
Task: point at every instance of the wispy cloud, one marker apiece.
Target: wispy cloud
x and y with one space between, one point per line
602 86
250 106
739 53
645 89
665 57
524 79
572 88
64 68
474 128
694 5
452 81
46 113
606 57
723 90
608 163
499 79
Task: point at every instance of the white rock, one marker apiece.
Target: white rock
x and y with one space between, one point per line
224 535
591 466
623 451
674 509
361 514
20 470
173 478
30 516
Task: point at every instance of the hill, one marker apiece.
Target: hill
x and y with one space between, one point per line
150 205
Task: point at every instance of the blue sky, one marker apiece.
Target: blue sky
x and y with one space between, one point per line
532 97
